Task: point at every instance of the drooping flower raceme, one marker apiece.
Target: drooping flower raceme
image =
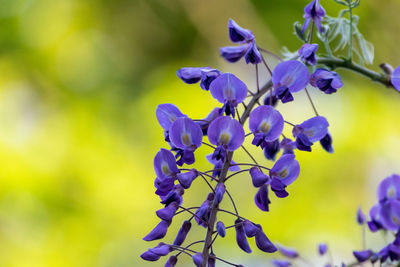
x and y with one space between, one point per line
326 81
313 12
289 77
229 90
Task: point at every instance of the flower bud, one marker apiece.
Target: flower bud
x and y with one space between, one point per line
322 248
288 252
219 192
171 261
198 259
161 249
250 229
258 177
168 212
263 243
181 236
150 256
158 232
186 179
221 229
241 236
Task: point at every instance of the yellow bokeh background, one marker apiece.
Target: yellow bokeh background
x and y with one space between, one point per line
79 84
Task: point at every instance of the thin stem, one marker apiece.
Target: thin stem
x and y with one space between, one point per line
207 144
350 51
251 156
205 180
334 63
363 236
185 209
249 164
233 174
233 202
270 53
212 242
311 32
188 246
237 112
291 124
229 212
258 85
266 65
311 102
194 214
248 134
209 176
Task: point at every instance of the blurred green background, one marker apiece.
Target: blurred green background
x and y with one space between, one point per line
79 84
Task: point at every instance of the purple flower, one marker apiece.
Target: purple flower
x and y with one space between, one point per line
229 90
261 198
181 236
281 263
198 259
161 249
286 168
288 145
258 177
158 232
263 243
237 34
203 213
391 251
271 99
279 188
250 229
360 216
271 149
252 55
164 185
227 134
395 78
288 252
165 164
389 188
166 114
310 131
289 77
150 256
375 223
363 255
221 228
168 212
186 135
192 75
211 260
322 248
390 214
326 143
266 123
171 262
326 81
219 192
186 179
307 53
234 53
315 12
241 239
175 195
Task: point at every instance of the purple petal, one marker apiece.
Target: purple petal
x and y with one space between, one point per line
279 188
228 88
219 192
189 75
376 221
161 249
150 256
281 263
288 252
186 134
198 259
165 164
390 214
266 120
158 232
290 74
237 34
171 262
250 229
263 243
186 179
322 248
166 114
315 128
286 168
258 177
389 188
326 143
221 228
307 53
168 212
261 198
252 55
241 236
360 216
181 236
207 77
227 132
326 81
395 78
233 53
271 149
363 255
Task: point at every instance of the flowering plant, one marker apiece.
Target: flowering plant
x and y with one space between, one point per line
226 129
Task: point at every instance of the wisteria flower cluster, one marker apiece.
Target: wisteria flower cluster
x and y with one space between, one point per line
224 131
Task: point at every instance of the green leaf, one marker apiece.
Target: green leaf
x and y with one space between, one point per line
297 31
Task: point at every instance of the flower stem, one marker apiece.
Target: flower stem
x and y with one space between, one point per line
224 171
